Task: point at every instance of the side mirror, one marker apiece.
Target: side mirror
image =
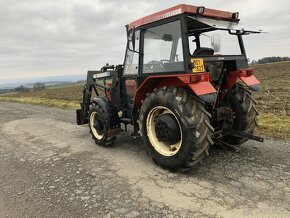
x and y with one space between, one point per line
131 42
133 39
167 37
216 44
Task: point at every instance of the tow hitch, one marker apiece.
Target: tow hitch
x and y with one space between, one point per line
241 135
245 135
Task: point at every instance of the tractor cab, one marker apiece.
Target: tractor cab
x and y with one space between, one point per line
185 39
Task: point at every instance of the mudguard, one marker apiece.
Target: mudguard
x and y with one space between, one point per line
198 83
252 82
246 76
110 110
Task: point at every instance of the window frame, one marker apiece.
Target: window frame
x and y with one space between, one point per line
136 53
243 54
198 43
186 61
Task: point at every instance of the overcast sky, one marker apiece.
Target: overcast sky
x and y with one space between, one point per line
58 37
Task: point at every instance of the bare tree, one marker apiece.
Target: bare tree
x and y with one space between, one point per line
21 88
38 86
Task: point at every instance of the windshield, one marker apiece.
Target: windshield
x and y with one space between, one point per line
163 48
209 37
220 41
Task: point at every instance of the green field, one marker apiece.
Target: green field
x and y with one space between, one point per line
273 101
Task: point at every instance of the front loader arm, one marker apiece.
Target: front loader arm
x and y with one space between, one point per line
83 113
91 85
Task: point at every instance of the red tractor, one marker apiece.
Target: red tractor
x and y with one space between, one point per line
185 85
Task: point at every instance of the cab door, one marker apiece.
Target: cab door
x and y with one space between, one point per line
131 68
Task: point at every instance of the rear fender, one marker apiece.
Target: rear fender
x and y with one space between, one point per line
198 83
250 80
246 76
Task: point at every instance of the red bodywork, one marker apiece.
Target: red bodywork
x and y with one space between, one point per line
246 75
182 9
198 83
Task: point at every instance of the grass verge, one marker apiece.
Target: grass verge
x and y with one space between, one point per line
270 125
276 126
65 104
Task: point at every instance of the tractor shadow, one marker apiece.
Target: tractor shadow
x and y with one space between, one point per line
219 157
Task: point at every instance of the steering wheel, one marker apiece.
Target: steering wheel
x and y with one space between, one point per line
164 60
155 66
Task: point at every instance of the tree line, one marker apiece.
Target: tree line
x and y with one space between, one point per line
36 87
273 59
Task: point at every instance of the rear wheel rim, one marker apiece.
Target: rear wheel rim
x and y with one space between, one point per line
159 146
93 119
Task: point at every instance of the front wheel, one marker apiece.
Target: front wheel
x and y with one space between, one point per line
99 126
175 128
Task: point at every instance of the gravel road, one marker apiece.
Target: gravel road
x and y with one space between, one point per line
50 167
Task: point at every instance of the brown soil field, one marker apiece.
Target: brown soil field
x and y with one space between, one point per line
67 92
275 95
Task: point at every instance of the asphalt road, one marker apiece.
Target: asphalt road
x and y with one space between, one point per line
50 167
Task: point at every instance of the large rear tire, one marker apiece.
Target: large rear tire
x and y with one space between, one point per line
175 128
99 126
245 120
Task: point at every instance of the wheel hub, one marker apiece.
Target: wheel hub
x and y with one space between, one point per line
167 129
164 131
98 125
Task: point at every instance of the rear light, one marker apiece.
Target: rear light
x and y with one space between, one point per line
195 78
235 15
200 77
245 72
199 11
109 91
250 72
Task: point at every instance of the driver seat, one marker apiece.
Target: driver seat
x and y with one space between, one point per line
203 51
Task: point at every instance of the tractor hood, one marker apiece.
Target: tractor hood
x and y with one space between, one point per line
214 24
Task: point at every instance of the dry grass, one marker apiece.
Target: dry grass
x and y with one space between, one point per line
65 104
274 126
274 99
72 92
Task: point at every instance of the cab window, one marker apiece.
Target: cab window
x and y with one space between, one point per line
132 57
163 50
229 44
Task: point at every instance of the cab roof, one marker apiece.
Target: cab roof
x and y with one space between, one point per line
183 9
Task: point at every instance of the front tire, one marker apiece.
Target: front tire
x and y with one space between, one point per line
99 126
175 128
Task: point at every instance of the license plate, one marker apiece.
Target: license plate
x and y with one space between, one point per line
198 65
